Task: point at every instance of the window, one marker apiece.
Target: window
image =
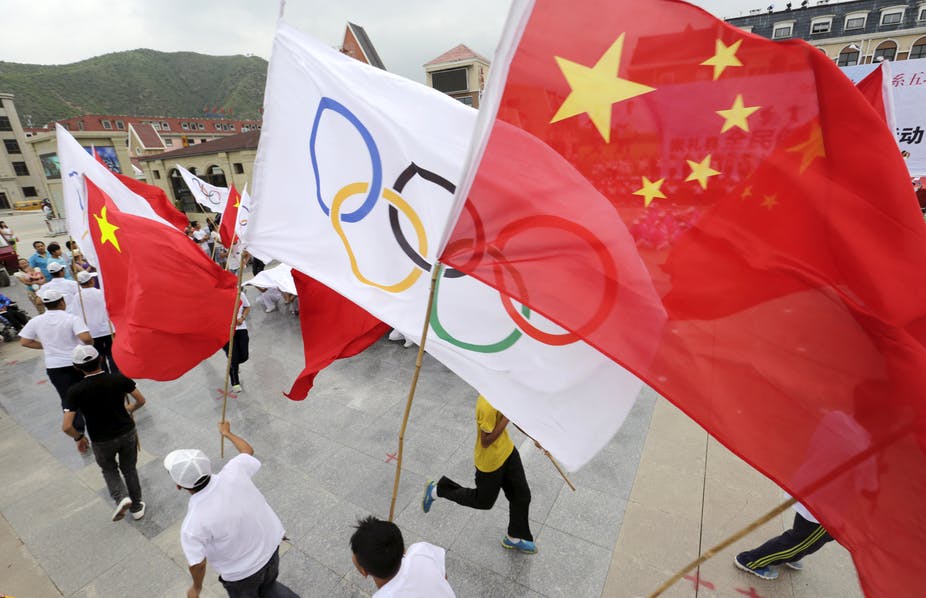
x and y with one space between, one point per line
165 126
782 31
218 126
919 49
231 127
892 18
157 126
823 25
20 169
856 21
168 141
30 192
450 80
245 128
5 124
922 15
201 126
238 167
80 125
106 124
12 147
848 56
185 126
120 125
885 51
203 140
156 173
468 100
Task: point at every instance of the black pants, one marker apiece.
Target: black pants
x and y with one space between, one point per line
125 447
511 479
63 379
261 584
17 318
805 537
239 354
104 346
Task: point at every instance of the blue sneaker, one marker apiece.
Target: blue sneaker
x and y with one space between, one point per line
428 499
796 565
763 572
525 546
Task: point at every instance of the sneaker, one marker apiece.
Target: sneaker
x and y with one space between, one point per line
121 508
395 335
763 572
270 309
136 515
428 498
525 546
236 388
796 565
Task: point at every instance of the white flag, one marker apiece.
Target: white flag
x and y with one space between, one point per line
354 182
208 196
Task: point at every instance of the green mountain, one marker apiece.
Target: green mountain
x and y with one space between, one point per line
136 83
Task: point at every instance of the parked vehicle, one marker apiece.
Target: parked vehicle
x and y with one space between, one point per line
9 262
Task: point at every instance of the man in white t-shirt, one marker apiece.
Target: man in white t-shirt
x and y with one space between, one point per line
228 522
378 548
59 282
92 306
241 341
56 333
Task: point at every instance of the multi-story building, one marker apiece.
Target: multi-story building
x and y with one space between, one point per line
854 32
21 182
460 73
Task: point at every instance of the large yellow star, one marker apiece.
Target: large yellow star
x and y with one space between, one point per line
595 90
650 191
701 171
736 115
770 201
107 230
723 57
812 148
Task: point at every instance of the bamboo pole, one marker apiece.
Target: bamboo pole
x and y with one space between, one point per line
231 348
557 466
436 270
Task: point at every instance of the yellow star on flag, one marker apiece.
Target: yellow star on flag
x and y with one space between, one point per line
723 57
701 171
107 230
747 192
595 90
736 115
770 201
812 148
650 191
237 202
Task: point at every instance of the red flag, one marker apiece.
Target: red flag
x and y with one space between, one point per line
158 200
230 217
787 253
170 304
876 90
333 327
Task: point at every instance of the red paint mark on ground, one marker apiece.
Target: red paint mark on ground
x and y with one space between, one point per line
14 362
222 394
751 592
390 457
697 581
42 382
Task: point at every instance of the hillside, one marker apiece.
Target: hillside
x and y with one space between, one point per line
138 82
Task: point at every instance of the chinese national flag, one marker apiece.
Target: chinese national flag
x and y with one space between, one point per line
230 217
333 327
170 303
773 213
158 200
877 91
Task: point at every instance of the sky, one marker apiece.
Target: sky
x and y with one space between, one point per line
406 33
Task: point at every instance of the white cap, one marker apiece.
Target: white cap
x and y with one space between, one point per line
83 354
187 466
55 267
83 277
50 295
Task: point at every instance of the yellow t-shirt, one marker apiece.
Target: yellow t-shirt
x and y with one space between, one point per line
490 458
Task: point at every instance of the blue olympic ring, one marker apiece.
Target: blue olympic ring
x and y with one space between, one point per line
376 183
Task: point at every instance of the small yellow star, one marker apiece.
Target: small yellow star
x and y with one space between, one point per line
812 148
736 115
107 230
747 192
650 190
595 90
770 201
701 171
723 57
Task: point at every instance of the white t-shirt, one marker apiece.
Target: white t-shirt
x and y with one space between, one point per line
244 303
230 523
67 287
57 330
422 575
94 306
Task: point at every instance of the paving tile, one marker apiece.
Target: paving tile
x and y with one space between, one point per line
565 566
144 572
468 579
588 514
305 575
327 540
480 541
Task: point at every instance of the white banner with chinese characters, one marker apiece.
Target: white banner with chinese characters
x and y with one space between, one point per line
908 83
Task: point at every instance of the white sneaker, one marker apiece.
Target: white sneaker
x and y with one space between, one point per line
121 508
395 335
270 309
136 515
236 388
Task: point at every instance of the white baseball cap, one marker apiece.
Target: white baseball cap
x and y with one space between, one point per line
187 466
83 277
50 295
55 267
83 354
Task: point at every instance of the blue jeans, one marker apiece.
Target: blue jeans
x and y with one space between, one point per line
126 448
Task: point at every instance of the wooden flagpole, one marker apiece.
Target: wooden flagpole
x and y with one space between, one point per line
231 348
549 456
436 270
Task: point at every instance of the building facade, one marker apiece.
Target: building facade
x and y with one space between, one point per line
856 32
460 73
21 181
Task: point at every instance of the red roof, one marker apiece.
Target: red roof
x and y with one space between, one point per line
148 137
457 54
170 125
229 143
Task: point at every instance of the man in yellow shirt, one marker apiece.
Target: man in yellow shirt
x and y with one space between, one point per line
498 467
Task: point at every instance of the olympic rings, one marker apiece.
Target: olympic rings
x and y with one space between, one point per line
212 195
393 198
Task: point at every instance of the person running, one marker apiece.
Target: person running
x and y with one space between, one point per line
39 259
228 522
240 348
805 537
60 283
378 551
101 398
56 333
498 467
32 279
92 308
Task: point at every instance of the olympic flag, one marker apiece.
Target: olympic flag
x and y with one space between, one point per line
353 185
208 196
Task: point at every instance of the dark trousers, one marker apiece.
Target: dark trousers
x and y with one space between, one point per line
805 537
239 354
104 346
17 318
261 584
63 379
124 447
511 479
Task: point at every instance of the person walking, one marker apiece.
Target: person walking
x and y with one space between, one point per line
39 259
8 235
241 341
92 307
228 522
805 537
101 398
32 279
498 467
59 282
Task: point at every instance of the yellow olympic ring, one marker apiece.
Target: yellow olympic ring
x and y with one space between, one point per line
396 200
